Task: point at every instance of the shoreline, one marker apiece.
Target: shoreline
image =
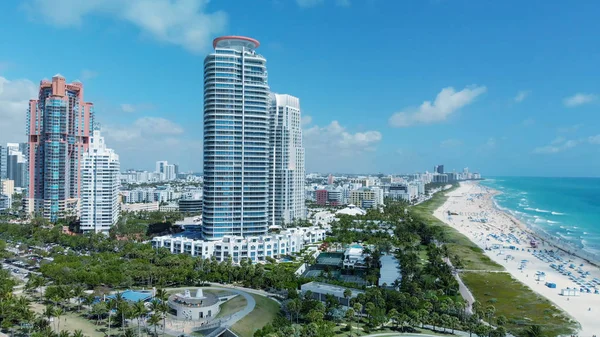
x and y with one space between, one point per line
543 236
506 241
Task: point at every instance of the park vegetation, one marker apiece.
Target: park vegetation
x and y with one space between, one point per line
427 295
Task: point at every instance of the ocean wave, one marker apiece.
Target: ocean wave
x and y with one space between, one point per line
540 220
529 209
541 210
550 221
557 213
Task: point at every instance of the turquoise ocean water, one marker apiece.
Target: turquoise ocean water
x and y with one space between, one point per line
563 210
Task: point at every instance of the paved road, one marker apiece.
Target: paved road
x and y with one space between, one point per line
464 291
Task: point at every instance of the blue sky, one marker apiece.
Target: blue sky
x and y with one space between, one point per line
504 87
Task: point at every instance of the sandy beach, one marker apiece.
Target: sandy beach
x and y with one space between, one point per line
509 243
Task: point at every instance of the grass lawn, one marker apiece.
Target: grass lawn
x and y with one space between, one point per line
521 305
265 311
232 306
72 321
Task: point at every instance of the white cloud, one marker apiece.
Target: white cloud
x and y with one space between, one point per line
594 139
306 119
450 143
180 22
14 99
560 144
335 136
521 95
446 102
127 107
579 99
143 128
87 74
333 147
558 140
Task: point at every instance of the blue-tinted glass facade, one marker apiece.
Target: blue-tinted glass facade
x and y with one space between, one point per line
236 141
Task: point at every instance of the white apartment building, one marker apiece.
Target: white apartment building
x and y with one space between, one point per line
286 161
256 248
100 187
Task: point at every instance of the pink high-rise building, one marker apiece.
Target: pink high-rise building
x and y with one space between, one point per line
59 126
330 179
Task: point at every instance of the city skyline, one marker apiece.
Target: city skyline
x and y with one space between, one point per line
472 105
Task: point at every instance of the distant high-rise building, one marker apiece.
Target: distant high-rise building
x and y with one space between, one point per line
16 163
169 173
100 181
161 169
236 139
330 179
3 162
286 156
59 126
440 169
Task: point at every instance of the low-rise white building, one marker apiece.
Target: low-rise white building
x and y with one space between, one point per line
141 207
354 257
256 248
319 291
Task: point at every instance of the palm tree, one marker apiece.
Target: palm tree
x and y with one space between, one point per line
78 333
490 310
534 331
393 315
357 310
78 292
28 316
88 300
98 310
110 306
49 312
350 317
161 294
122 307
64 334
154 320
454 323
347 295
164 309
139 311
57 313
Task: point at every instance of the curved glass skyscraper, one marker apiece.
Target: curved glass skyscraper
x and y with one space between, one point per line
236 139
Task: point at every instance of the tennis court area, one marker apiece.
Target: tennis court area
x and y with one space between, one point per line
312 273
330 259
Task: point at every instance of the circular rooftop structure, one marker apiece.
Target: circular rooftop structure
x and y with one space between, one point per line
232 41
194 307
